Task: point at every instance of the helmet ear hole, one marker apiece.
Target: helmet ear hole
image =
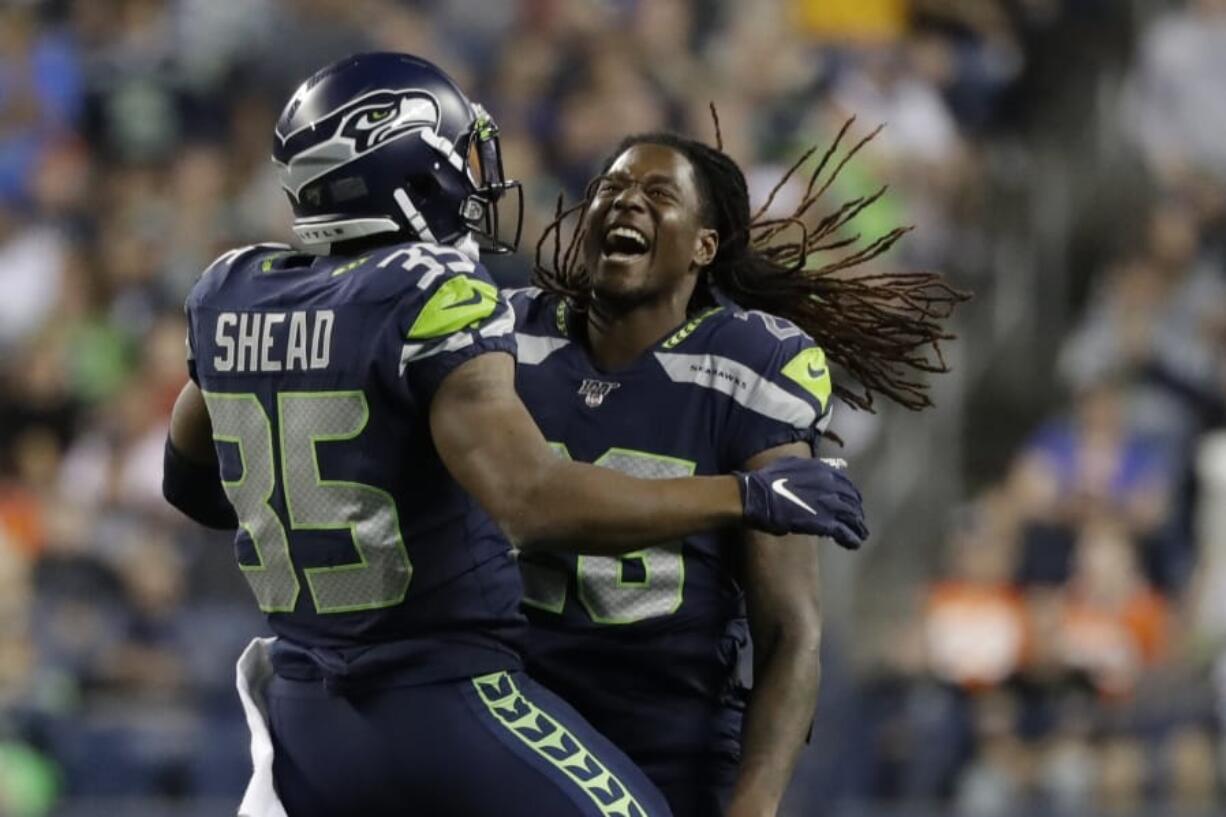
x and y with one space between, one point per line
423 186
313 195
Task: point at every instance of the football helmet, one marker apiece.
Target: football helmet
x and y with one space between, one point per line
388 143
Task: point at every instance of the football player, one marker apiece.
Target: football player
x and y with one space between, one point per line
351 412
642 351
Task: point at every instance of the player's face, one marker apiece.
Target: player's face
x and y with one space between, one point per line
645 235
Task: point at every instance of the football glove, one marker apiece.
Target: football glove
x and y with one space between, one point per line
796 495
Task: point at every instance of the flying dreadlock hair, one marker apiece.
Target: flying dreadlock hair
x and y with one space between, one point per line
879 327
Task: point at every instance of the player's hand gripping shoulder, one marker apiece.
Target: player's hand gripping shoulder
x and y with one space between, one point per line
490 444
795 495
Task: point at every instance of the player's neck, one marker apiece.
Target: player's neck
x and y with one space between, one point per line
616 336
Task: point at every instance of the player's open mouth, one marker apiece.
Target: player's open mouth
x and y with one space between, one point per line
623 244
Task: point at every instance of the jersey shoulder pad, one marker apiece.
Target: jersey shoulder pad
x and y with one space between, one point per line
747 336
774 356
786 352
540 323
438 291
410 268
233 263
432 289
537 312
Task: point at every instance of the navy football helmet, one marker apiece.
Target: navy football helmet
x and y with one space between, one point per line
387 143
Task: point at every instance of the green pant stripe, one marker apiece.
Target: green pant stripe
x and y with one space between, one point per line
556 744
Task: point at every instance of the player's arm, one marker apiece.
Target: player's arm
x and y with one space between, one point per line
491 445
780 575
191 475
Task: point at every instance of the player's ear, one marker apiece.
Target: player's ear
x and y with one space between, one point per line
706 245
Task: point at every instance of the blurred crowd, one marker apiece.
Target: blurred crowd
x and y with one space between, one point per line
1061 656
1066 657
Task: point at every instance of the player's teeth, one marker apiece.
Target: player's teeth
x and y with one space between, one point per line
629 234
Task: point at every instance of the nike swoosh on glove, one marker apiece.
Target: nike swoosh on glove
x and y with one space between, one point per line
796 495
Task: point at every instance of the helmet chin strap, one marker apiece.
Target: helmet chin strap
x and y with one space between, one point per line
414 216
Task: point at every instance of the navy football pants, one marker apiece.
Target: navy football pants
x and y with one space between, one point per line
499 745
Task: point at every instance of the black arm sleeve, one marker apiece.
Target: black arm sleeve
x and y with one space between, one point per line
196 490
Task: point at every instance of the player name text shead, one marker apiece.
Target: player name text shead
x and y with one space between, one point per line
296 341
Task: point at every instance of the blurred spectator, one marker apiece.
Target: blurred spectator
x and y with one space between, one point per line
28 783
974 619
135 100
1122 775
1190 762
1114 625
998 779
40 94
24 497
1176 104
1089 466
1159 314
886 88
32 260
920 149
1208 601
1067 767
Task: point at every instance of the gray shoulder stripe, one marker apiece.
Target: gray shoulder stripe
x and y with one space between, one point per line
504 324
742 384
531 292
410 352
456 341
533 349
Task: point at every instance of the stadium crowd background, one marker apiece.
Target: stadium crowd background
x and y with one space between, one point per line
1039 625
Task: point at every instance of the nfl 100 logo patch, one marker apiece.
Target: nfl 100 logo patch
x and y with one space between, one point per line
595 391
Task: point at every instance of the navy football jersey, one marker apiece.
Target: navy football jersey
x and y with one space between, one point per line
646 645
318 372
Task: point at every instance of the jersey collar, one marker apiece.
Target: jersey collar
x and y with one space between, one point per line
568 325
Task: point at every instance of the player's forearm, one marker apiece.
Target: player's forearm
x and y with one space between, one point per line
191 477
782 599
490 445
597 510
777 722
195 489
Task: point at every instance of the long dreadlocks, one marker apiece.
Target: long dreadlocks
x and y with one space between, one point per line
881 328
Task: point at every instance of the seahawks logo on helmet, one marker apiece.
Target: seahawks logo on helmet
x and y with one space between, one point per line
374 123
352 131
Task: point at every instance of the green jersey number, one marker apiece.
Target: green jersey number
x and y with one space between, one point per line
380 578
605 592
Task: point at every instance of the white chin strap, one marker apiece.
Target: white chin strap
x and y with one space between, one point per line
416 220
468 245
